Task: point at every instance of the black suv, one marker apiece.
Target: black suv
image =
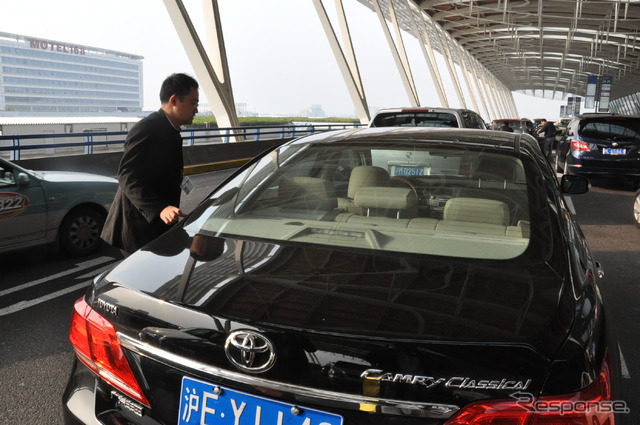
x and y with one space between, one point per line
601 145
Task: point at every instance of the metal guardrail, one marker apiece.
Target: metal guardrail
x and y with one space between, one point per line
23 146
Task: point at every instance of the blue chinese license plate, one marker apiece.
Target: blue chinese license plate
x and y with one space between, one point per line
612 151
200 404
402 170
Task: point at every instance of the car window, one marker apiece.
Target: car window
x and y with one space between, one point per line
7 178
516 126
611 129
415 119
410 199
472 120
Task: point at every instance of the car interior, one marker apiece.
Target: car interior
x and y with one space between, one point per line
451 202
6 177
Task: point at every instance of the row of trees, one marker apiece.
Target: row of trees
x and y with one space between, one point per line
210 121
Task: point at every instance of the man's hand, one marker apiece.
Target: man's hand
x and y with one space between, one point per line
171 214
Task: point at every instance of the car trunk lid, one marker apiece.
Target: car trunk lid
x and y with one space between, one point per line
351 322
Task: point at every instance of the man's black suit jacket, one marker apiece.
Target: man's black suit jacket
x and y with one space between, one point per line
149 176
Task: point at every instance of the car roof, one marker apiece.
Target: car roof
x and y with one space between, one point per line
598 115
421 109
478 138
603 115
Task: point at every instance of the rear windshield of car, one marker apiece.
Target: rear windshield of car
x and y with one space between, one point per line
516 126
611 128
415 119
417 199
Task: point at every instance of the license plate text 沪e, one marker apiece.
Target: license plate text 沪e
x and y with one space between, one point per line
204 403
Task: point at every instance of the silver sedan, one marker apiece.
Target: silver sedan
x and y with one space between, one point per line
63 208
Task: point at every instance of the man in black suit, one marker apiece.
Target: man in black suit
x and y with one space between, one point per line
150 172
549 131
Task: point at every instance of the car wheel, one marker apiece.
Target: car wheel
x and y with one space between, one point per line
80 231
636 208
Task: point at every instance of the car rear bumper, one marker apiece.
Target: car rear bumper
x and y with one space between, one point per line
603 168
78 400
88 401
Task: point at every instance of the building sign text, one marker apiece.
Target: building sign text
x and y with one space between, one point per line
56 47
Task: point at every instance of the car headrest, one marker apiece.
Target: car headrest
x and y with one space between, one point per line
366 176
391 198
477 210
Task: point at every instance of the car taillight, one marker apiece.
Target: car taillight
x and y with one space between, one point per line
96 344
579 146
592 405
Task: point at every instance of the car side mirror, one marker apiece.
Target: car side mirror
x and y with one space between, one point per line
574 185
23 179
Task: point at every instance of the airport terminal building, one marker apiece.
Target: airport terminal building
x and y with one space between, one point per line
41 77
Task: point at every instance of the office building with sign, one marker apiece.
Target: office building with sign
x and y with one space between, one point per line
41 77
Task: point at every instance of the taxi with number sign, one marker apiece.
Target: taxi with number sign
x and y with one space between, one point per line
373 276
601 145
52 207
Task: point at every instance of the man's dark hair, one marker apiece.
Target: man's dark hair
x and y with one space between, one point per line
178 84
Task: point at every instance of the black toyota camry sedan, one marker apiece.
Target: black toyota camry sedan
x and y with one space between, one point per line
413 276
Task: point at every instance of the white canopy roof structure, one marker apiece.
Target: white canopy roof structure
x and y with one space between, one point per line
491 48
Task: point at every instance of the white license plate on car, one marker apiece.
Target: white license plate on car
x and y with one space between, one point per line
614 151
203 403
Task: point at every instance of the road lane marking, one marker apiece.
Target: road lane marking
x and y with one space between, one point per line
30 303
569 202
79 267
26 304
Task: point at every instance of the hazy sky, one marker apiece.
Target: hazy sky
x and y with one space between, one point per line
279 58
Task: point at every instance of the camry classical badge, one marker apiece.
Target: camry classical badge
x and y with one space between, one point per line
452 382
250 351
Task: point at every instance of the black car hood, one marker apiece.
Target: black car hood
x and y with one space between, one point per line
482 329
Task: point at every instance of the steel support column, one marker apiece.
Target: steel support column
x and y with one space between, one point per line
346 58
445 42
465 75
478 84
486 77
497 99
398 51
636 104
420 27
213 77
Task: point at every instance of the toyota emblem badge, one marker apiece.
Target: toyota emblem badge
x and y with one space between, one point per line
250 351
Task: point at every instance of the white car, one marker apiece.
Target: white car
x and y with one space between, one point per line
45 207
